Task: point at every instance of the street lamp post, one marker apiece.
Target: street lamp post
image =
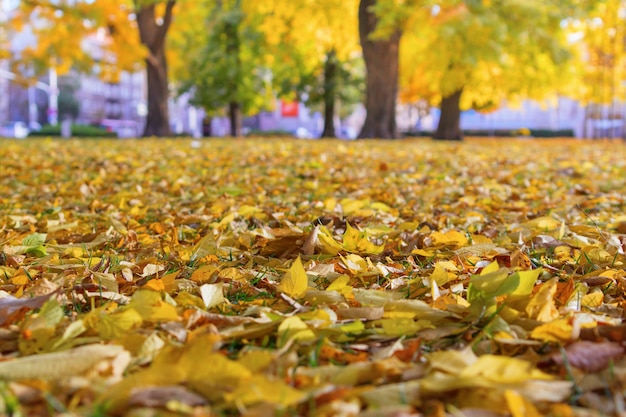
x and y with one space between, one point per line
53 98
53 95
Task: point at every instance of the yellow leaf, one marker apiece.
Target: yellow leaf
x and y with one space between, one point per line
185 299
452 238
232 273
118 324
319 316
355 327
339 283
541 306
560 331
37 340
403 326
256 360
213 374
330 204
20 279
151 307
154 285
116 396
593 299
294 328
39 330
439 275
380 206
204 273
427 253
519 406
503 370
248 211
544 224
261 388
596 255
328 245
354 262
527 280
452 362
74 252
358 242
349 206
492 267
295 281
169 281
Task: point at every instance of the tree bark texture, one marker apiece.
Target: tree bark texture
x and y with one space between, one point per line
152 35
381 63
449 127
234 115
330 89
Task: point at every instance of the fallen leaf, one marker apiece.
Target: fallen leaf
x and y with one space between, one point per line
295 281
58 365
161 396
590 356
212 294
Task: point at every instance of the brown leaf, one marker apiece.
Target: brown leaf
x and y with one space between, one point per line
564 291
10 305
309 244
613 333
589 356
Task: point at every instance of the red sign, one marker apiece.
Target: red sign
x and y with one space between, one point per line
289 108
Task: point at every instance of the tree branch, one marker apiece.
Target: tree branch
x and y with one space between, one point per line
167 21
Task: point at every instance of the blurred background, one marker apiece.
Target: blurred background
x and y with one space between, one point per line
313 68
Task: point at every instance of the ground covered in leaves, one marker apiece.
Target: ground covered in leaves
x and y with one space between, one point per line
321 278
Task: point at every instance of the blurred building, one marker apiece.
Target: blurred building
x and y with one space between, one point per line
562 114
119 106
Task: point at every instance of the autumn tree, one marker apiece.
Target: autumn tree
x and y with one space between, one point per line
478 54
133 31
600 42
226 60
315 53
335 89
68 36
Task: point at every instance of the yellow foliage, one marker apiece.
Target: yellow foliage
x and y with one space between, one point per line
295 281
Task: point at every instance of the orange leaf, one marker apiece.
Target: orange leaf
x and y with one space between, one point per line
155 285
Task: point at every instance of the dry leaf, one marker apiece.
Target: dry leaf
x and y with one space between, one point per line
590 356
295 281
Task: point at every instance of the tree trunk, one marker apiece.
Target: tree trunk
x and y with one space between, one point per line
152 35
381 63
330 90
234 114
449 127
207 131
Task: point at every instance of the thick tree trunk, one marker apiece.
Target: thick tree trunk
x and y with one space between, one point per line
157 119
449 127
152 34
381 63
330 89
234 114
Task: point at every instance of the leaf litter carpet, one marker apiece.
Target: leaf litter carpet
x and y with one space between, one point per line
278 277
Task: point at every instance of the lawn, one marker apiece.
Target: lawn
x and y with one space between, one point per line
266 277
